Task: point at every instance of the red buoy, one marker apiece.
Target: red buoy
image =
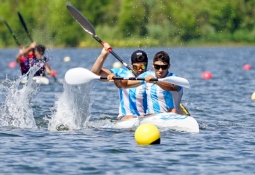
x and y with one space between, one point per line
247 67
12 64
206 75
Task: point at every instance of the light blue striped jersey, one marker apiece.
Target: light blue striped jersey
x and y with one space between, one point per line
160 100
132 100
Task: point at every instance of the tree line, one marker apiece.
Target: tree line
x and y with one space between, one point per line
131 23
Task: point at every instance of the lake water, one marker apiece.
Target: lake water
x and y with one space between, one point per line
57 129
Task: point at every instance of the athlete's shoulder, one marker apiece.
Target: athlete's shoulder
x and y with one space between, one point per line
171 74
120 71
115 70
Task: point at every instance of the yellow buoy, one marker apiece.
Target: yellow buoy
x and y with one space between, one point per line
67 59
253 96
116 65
147 134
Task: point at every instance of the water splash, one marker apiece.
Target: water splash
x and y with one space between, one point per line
72 109
16 110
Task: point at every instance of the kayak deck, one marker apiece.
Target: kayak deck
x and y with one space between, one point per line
37 79
172 121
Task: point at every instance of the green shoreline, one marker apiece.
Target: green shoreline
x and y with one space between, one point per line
115 45
146 44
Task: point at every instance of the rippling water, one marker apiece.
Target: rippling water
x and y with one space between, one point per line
66 138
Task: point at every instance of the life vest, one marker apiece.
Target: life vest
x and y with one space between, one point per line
41 63
24 64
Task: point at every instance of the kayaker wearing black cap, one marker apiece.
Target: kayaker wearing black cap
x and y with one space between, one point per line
133 101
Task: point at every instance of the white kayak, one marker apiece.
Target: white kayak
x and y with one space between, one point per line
172 121
38 80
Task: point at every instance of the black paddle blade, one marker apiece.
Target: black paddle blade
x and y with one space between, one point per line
85 24
10 29
13 35
22 22
25 26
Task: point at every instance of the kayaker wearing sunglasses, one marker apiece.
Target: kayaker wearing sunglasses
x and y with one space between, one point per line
162 96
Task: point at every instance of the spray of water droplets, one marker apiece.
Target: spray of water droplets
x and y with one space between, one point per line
16 110
72 108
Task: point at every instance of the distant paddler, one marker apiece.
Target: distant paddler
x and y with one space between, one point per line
34 55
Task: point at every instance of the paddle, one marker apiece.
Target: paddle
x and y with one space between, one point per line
80 75
13 35
86 25
25 26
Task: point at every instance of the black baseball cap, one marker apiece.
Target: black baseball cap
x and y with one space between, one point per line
139 56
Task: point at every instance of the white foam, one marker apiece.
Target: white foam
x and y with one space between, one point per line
16 110
72 108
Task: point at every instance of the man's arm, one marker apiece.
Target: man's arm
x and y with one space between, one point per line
129 83
18 57
132 83
167 86
23 51
164 85
49 71
97 67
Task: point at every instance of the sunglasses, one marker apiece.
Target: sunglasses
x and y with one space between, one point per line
163 67
138 67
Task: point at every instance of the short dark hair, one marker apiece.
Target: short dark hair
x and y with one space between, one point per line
162 56
40 49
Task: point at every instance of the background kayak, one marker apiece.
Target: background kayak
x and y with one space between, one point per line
38 80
